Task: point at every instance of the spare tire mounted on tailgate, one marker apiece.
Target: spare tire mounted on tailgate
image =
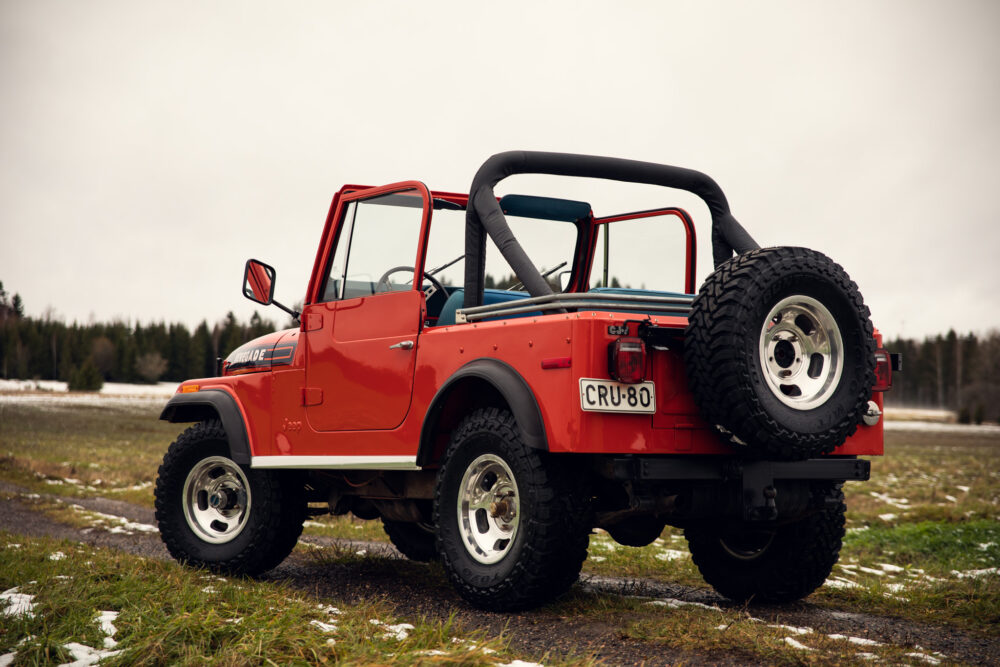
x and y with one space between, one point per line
780 353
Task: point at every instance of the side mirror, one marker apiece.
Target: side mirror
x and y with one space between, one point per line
258 282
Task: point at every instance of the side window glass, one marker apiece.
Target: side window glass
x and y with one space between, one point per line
645 253
377 246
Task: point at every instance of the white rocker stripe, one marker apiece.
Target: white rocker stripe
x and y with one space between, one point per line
334 462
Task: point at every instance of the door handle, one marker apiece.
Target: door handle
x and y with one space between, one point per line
402 345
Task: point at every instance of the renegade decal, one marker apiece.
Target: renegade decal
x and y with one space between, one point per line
260 357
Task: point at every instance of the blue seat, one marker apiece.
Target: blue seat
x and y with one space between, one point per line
490 297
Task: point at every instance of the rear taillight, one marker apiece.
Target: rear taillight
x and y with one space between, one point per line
627 360
883 370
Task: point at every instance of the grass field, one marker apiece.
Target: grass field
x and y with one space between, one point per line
923 543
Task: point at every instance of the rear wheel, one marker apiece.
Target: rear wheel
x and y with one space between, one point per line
780 352
779 564
512 526
215 513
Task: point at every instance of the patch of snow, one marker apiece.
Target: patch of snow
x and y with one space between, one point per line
983 546
673 603
839 582
859 529
7 659
871 570
85 656
17 604
860 641
671 554
898 503
889 567
123 526
58 555
866 656
930 660
431 652
399 632
208 589
597 559
324 627
107 622
794 644
970 429
522 663
976 574
887 517
792 629
951 499
963 489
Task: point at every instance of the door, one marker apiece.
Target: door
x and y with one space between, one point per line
361 335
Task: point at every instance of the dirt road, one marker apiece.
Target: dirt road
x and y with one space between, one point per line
416 590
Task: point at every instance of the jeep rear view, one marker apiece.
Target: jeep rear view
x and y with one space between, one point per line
494 378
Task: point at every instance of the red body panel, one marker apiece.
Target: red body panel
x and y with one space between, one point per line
675 428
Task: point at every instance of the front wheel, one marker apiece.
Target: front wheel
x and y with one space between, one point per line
215 513
512 526
770 565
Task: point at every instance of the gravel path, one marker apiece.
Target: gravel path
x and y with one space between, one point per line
417 590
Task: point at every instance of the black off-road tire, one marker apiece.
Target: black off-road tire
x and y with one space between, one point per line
277 507
416 541
544 557
778 566
734 378
639 531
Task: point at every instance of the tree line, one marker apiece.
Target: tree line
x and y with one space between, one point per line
951 371
86 355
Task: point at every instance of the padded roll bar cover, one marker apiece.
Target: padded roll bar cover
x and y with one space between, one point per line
484 215
510 385
212 404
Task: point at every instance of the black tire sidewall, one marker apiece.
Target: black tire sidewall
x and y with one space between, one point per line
251 550
475 574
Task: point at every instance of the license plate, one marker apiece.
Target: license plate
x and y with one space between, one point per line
611 396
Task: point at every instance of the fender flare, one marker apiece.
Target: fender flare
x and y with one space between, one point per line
210 404
508 383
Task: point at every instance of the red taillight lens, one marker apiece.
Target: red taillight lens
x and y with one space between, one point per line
883 370
627 360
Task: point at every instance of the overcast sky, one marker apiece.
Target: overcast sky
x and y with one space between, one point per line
148 148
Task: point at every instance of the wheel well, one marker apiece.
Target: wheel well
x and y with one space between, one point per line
212 404
462 397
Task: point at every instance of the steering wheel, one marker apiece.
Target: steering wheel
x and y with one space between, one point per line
429 291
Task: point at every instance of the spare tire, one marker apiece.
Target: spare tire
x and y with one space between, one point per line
780 353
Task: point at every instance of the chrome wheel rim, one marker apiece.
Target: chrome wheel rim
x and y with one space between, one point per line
216 500
489 509
801 352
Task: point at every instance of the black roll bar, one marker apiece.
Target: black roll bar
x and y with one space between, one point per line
485 215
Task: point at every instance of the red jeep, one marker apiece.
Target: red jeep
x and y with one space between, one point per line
494 426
